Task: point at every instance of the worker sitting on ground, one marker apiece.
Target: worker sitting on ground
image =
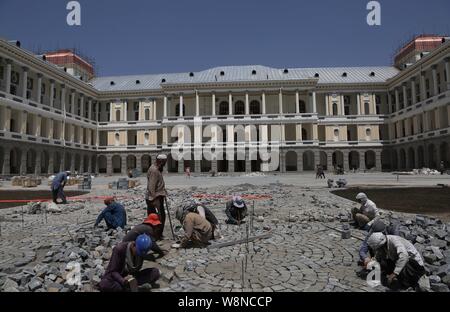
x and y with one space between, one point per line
367 214
124 269
401 264
236 211
58 183
197 230
114 214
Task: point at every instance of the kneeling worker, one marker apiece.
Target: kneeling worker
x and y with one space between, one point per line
367 214
236 210
114 214
197 230
124 269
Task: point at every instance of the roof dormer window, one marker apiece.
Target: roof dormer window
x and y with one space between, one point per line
112 83
253 72
191 74
222 73
286 71
344 75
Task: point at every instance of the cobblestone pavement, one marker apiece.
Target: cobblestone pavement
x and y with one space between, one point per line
302 253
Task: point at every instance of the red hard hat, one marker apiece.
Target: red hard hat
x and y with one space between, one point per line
152 219
108 200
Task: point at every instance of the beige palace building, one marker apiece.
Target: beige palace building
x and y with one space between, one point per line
56 115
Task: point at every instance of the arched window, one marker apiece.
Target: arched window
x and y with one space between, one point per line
255 108
336 134
147 114
223 108
146 138
302 107
239 108
368 132
335 109
117 139
177 110
117 114
304 134
366 108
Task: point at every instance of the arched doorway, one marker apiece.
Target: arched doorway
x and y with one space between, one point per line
444 153
291 161
44 162
239 108
223 108
402 164
308 161
432 155
57 162
370 159
302 107
117 164
2 157
131 162
15 157
77 163
255 108
146 162
411 158
420 157
85 164
385 160
102 164
338 159
353 160
324 160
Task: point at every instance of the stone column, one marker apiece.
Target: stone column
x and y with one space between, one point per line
230 104
405 95
213 164
416 157
263 100
327 105
139 162
378 166
314 103
397 100
37 167
435 80
329 161
8 77
63 98
282 161
299 161
316 158
197 104
181 107
198 166
72 103
90 109
447 72
124 168
213 104
181 166
23 162
280 102
413 91
342 105
247 104
109 169
23 122
39 88
81 164
6 160
346 161
248 162
51 162
423 92
82 107
51 93
165 107
24 82
62 165
297 101
362 160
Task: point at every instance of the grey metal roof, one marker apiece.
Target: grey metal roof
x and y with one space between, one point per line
247 73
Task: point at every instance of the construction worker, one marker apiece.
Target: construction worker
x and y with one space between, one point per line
400 262
151 226
58 183
236 211
197 207
124 269
156 189
197 230
114 214
366 215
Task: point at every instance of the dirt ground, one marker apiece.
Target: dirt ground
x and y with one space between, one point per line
425 200
29 194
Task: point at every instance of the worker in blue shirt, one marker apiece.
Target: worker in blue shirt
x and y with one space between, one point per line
58 183
114 214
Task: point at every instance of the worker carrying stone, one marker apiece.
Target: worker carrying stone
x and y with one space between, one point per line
114 214
58 183
236 210
124 269
401 264
197 230
156 189
367 214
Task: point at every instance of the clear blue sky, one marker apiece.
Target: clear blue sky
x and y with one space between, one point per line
147 36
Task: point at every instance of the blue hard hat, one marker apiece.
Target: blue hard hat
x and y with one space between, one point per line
143 244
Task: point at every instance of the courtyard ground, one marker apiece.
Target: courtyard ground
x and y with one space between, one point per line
304 250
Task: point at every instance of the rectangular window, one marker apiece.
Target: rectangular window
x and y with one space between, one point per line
2 72
30 83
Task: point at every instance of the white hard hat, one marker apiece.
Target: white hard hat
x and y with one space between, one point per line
361 196
376 240
161 157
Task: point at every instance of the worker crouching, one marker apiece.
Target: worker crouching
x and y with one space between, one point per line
197 230
114 214
236 211
367 214
124 269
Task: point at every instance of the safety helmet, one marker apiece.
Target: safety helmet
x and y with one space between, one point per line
143 244
152 219
238 202
378 226
362 197
376 240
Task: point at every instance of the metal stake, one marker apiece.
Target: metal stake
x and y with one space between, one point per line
22 217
